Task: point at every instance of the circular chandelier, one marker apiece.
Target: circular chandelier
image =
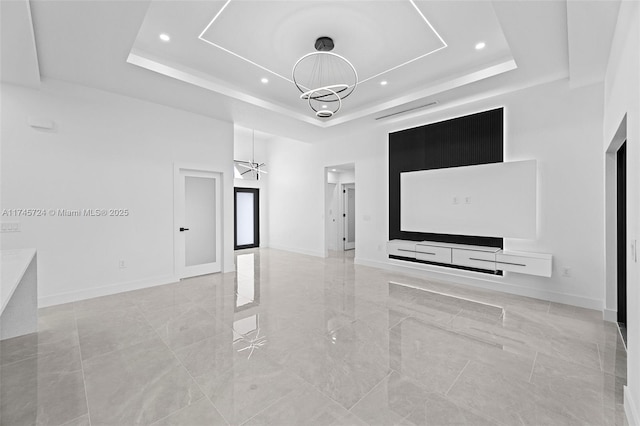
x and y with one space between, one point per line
324 78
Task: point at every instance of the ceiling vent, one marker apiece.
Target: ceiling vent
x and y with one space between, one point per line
430 104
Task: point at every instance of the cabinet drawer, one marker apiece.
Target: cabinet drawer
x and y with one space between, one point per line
402 248
540 266
433 253
474 259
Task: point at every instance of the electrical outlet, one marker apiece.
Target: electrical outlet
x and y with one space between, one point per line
122 264
566 272
11 227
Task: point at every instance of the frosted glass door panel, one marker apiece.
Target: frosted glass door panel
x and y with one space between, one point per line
349 211
197 217
200 218
245 219
351 218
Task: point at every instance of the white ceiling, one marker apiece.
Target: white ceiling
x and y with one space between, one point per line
18 44
589 46
229 46
89 43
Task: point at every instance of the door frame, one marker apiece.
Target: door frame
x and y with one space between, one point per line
256 218
621 231
610 312
179 269
334 176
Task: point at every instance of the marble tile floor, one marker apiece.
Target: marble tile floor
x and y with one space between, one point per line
296 340
623 333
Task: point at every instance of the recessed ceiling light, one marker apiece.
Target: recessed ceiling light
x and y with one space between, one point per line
324 107
383 83
264 80
480 45
334 170
165 37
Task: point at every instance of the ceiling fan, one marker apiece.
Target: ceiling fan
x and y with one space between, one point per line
252 166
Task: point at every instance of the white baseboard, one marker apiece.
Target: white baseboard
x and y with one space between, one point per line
610 315
470 279
74 296
298 250
630 408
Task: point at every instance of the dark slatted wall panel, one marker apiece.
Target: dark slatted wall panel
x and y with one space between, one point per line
464 141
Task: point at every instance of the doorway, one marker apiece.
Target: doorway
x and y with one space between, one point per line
621 234
340 186
197 221
246 222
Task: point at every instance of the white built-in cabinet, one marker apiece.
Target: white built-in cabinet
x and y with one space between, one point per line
479 257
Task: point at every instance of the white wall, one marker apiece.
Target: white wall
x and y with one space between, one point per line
107 151
245 150
559 127
492 200
622 97
296 197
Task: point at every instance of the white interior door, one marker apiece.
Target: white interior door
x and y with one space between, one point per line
197 222
349 204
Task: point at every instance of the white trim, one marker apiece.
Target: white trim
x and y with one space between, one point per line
297 250
611 219
200 79
107 290
610 315
469 279
630 409
214 18
436 87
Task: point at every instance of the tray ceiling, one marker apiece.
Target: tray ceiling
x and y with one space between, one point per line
419 49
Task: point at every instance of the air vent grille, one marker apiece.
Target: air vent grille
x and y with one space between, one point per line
430 104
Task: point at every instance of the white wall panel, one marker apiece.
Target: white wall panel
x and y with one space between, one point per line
490 200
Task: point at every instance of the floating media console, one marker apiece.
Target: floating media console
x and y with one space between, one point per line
478 258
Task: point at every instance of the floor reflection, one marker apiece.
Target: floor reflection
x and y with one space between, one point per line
290 339
247 285
246 334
